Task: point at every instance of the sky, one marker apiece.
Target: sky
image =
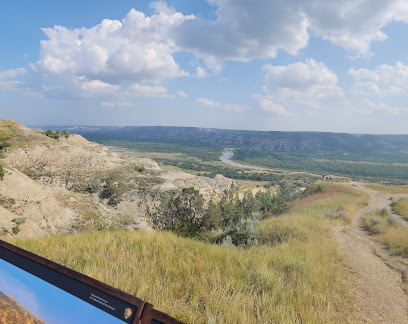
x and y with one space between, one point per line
47 302
287 65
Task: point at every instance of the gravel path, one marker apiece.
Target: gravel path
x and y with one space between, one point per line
379 277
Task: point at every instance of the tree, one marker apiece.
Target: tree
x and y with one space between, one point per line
182 214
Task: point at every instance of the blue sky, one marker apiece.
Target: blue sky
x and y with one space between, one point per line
45 301
295 65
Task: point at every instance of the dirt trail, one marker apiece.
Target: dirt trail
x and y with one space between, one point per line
379 277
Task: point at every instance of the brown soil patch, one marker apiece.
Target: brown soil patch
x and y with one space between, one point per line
378 276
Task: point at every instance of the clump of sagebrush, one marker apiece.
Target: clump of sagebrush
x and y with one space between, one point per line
4 145
312 190
1 172
93 186
56 134
233 219
339 213
385 228
400 207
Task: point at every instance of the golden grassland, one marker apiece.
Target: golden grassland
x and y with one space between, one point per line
400 207
385 229
295 276
392 189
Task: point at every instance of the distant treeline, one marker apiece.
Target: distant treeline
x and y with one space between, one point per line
202 153
324 163
265 141
211 171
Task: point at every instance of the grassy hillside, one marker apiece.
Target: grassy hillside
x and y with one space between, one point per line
385 228
295 277
400 207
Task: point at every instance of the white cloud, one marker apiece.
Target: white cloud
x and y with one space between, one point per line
365 89
269 105
93 62
227 107
302 84
245 30
108 104
386 85
8 75
146 91
385 79
236 108
354 24
208 103
200 72
7 78
137 49
182 94
300 75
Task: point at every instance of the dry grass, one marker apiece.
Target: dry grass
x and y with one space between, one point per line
299 280
386 229
400 189
400 207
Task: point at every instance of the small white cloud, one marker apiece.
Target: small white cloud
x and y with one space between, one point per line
365 89
269 105
182 94
200 72
227 107
147 91
236 108
8 75
97 88
108 104
208 103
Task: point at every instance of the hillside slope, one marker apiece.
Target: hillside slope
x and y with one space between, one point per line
60 185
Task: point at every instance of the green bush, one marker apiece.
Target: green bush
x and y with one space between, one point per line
93 186
110 188
4 145
1 172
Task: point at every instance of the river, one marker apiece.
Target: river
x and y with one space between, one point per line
227 156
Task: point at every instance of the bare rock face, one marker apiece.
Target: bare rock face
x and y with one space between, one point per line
68 162
221 183
41 207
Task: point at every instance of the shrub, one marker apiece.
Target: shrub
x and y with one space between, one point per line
3 231
140 168
4 145
336 214
114 200
313 189
243 234
383 212
93 186
51 134
1 172
110 188
19 220
392 222
182 214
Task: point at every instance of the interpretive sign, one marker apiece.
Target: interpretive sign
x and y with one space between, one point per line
36 290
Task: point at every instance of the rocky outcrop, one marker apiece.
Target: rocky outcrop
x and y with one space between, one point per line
45 189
